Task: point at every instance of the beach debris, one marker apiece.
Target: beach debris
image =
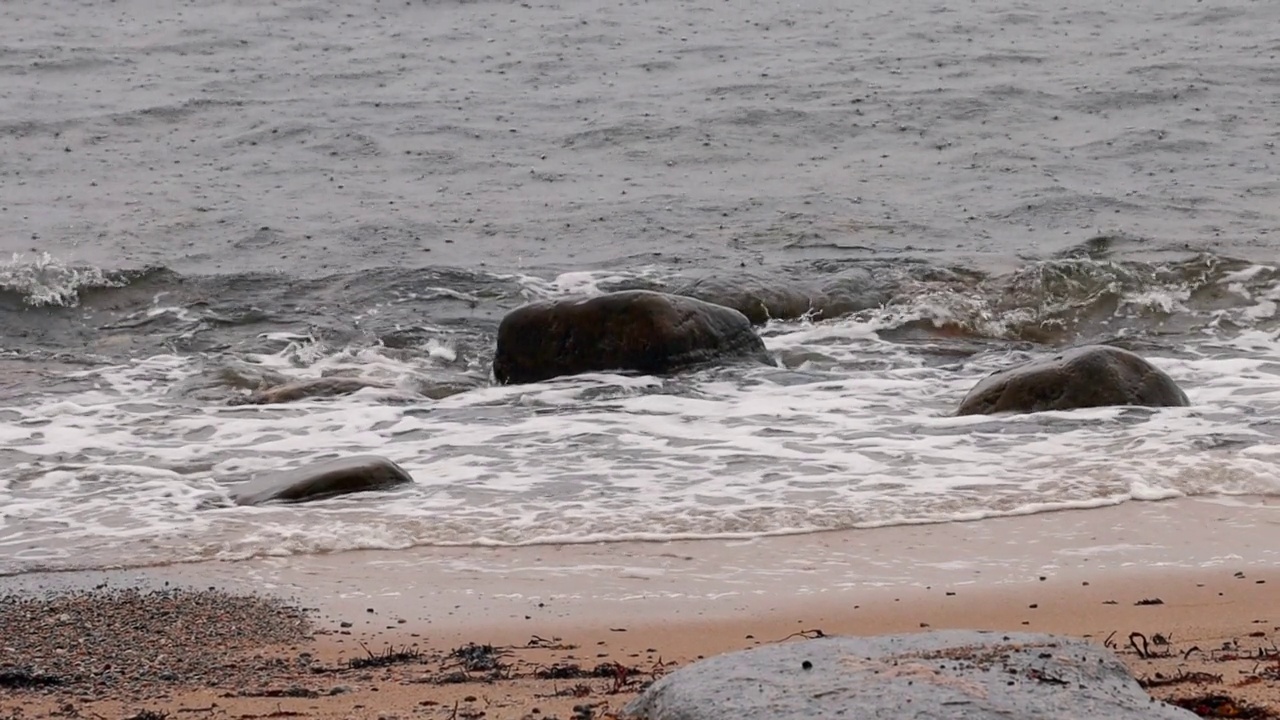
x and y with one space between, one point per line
1221 706
1182 677
622 675
21 678
149 715
1145 651
992 675
293 691
806 634
474 662
478 658
1150 601
552 644
558 671
388 656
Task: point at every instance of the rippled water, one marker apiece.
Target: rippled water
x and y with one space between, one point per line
211 197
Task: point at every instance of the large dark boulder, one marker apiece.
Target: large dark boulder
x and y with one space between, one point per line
357 473
949 674
1088 376
637 330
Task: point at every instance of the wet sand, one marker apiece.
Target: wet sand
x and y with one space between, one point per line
1195 580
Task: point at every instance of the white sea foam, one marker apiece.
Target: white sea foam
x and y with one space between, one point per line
46 280
865 437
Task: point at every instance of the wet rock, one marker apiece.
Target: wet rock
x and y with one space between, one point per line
851 291
762 299
636 330
944 674
1088 376
759 299
308 388
357 473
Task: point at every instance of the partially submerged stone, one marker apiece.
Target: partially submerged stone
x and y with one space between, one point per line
1082 377
946 674
759 299
635 330
357 473
763 298
307 388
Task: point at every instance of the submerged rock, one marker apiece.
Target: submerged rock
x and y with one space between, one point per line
853 290
635 330
1087 376
762 299
308 388
357 473
945 674
759 299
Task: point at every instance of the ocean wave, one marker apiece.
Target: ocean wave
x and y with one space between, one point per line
1052 301
45 281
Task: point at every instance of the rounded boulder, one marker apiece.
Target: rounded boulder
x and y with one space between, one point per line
942 675
1082 377
635 330
357 473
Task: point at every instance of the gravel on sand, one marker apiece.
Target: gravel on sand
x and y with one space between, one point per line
141 641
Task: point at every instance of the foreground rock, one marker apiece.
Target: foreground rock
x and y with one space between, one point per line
948 674
1088 376
357 473
637 330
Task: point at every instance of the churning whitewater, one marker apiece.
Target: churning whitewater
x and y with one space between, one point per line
205 199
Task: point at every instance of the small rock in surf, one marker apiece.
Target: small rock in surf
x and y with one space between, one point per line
1082 377
358 473
302 389
635 330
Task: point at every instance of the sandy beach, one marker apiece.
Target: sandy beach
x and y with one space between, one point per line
1183 591
210 198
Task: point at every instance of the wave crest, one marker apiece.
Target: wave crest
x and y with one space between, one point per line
46 281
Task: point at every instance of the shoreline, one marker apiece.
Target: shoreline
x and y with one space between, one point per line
656 579
1212 564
